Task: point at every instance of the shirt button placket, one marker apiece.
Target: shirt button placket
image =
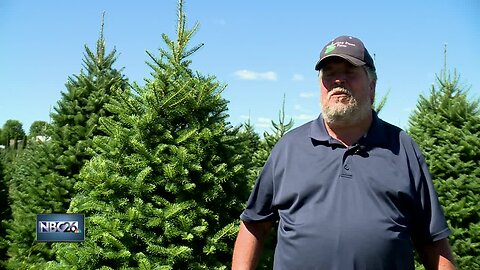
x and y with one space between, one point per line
346 171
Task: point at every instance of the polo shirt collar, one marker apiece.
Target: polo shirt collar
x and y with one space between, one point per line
318 131
375 135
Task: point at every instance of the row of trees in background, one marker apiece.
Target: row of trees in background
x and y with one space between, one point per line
446 125
12 134
162 177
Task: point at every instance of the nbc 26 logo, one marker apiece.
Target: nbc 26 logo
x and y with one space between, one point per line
60 227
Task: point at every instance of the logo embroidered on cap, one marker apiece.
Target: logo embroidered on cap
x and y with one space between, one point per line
330 48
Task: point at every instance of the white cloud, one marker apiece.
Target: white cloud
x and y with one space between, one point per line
298 107
409 109
252 75
308 94
298 77
263 122
244 117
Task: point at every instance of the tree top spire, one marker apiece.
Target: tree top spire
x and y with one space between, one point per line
101 41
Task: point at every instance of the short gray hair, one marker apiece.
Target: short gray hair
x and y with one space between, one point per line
371 73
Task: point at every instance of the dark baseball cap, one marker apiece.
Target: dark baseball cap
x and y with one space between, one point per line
348 48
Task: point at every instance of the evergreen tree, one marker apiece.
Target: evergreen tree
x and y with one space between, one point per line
43 178
378 106
446 125
32 190
8 157
168 184
252 141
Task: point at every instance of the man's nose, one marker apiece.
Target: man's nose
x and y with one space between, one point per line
340 79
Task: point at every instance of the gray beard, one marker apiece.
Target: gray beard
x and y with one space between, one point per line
349 114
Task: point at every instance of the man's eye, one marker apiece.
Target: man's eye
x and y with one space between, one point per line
328 74
351 73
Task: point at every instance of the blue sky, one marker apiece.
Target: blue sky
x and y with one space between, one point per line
262 50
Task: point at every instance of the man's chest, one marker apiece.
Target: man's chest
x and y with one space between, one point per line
345 188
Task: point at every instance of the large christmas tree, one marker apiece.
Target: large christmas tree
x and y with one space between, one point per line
446 125
169 183
42 178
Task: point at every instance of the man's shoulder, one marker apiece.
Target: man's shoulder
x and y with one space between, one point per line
395 133
299 133
293 138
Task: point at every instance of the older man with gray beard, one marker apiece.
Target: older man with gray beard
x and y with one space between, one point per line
348 190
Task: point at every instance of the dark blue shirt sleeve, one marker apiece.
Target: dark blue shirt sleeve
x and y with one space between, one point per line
259 205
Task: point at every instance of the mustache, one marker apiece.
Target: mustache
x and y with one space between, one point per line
338 91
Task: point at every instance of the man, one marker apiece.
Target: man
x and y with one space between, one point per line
349 191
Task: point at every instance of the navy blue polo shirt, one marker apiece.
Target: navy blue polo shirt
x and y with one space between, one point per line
338 207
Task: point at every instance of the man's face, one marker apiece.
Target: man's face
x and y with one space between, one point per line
346 92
